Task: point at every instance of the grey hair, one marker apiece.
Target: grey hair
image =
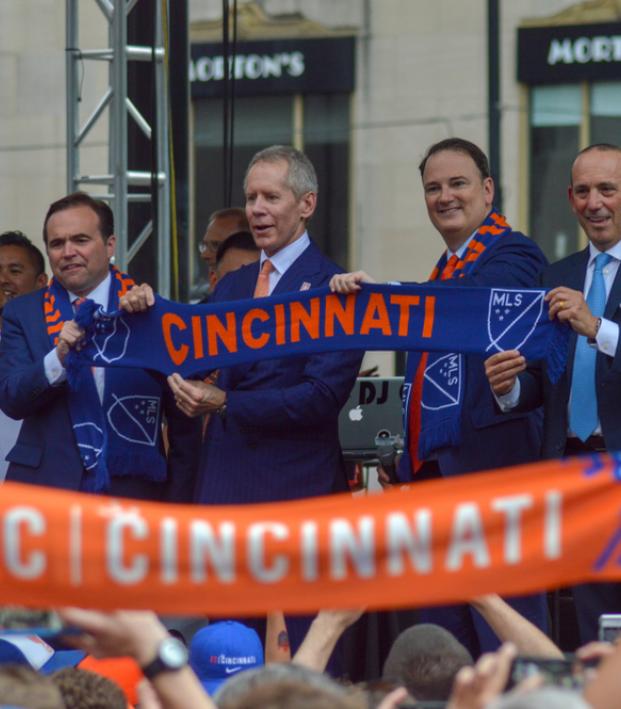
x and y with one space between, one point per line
301 175
245 682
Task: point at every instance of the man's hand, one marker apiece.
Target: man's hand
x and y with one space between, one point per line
475 687
138 299
349 282
70 336
195 398
502 370
567 305
135 634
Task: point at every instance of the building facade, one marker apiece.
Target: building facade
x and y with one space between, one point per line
364 87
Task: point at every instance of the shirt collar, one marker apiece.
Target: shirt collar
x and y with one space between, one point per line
99 294
614 251
283 258
462 249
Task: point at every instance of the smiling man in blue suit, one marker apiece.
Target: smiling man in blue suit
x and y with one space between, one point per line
103 435
581 411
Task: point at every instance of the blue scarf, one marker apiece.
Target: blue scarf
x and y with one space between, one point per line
193 339
121 435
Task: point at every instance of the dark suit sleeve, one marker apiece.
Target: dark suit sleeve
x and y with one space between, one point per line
184 445
514 261
24 388
321 392
531 389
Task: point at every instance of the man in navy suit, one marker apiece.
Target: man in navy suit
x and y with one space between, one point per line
581 411
273 429
22 270
459 194
50 449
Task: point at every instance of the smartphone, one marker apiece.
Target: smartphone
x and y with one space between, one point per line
609 627
568 673
18 620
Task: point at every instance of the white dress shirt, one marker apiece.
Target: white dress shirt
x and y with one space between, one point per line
283 258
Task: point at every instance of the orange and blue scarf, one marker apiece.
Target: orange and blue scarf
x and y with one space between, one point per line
435 381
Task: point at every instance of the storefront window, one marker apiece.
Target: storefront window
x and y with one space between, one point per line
606 112
326 142
266 120
556 117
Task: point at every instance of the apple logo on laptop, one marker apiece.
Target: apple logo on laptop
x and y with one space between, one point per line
355 414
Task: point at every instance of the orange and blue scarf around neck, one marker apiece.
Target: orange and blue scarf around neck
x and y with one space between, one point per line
435 382
120 435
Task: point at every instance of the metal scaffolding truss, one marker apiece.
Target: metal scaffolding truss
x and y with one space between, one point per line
117 177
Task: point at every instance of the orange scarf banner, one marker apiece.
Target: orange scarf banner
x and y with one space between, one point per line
513 531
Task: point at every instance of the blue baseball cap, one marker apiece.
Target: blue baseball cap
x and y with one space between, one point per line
221 650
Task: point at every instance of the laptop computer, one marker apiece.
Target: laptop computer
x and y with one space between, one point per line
373 410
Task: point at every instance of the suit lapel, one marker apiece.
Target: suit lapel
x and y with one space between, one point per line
577 273
614 297
575 279
302 270
247 285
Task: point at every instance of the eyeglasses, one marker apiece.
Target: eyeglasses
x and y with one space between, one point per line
211 246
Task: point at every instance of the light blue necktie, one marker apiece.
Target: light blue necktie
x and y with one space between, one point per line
583 416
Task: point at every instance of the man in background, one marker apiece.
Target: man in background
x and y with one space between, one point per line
222 223
234 252
22 270
22 267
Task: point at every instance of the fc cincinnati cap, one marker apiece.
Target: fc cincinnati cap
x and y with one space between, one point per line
221 650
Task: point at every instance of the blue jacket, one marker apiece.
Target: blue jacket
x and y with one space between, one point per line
490 439
279 438
46 452
536 388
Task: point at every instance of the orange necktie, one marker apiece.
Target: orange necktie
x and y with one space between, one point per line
77 303
447 271
262 289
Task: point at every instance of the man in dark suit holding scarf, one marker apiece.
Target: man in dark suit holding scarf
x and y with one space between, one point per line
102 431
273 428
581 411
452 425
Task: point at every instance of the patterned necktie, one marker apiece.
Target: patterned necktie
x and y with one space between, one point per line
77 303
583 416
262 289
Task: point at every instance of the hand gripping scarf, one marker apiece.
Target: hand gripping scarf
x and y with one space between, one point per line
119 436
435 382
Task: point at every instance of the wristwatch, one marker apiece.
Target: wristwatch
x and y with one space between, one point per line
171 655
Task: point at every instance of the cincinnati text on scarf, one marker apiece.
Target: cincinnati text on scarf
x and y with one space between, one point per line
210 335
